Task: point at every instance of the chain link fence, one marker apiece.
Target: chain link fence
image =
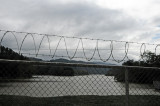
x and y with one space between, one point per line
27 79
30 83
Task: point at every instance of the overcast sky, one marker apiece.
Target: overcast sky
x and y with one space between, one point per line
127 20
109 19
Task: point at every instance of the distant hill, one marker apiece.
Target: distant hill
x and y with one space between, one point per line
89 70
70 61
7 53
82 62
34 59
14 70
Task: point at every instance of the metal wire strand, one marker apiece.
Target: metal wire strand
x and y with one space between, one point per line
62 39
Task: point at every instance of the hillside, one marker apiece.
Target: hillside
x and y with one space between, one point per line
88 70
14 70
7 53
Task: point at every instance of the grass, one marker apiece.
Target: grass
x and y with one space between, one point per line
134 100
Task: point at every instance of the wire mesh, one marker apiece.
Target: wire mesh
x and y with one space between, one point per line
35 72
28 83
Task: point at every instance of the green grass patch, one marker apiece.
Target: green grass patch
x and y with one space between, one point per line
85 100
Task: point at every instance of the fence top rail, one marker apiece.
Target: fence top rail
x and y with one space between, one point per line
73 64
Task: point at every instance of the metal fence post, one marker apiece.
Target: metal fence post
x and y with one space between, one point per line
126 88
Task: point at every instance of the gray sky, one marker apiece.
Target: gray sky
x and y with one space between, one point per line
127 20
109 19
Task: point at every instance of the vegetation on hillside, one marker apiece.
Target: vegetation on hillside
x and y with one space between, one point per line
149 59
14 70
24 70
139 75
53 70
7 53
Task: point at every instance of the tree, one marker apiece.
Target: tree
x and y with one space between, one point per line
141 75
13 70
149 59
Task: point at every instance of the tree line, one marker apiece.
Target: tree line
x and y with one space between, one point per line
139 75
13 70
24 70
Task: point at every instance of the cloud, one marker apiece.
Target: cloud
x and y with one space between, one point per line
156 21
66 18
77 18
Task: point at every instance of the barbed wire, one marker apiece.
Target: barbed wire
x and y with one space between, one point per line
44 49
63 56
97 49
